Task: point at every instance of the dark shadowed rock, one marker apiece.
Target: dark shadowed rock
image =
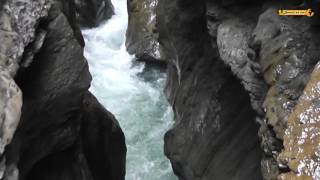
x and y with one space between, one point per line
46 89
90 13
60 121
233 39
68 164
271 56
103 141
17 30
215 134
282 51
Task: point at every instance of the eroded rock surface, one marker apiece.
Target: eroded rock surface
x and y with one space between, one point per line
233 39
272 58
287 58
289 49
49 132
215 133
18 19
142 33
90 13
302 137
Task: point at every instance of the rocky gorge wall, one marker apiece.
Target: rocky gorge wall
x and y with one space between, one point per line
90 13
51 126
243 83
236 71
142 34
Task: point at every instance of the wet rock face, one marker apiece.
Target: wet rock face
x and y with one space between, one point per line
10 105
288 52
16 31
49 133
272 58
215 134
103 141
90 13
97 154
302 137
287 58
237 53
142 35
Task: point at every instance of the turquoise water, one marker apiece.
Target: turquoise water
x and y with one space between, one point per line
135 98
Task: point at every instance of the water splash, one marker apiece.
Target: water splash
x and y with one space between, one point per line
136 101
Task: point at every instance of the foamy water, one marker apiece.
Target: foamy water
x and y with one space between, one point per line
135 98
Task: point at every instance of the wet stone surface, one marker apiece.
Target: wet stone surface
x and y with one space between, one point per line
302 138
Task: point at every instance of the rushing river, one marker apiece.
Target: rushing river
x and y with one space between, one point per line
133 96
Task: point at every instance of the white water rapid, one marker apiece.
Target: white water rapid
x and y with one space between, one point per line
134 97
